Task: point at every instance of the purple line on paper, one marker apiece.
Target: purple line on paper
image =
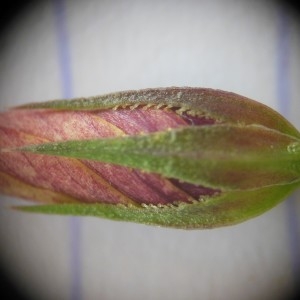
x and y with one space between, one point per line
284 98
63 48
67 91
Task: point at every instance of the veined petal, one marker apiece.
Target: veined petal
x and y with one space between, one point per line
87 180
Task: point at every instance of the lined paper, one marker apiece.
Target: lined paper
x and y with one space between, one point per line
82 48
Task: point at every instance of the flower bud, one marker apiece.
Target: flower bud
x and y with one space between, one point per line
178 157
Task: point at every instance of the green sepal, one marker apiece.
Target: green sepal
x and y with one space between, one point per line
227 157
226 209
222 106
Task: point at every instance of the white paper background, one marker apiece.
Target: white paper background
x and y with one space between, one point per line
239 46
